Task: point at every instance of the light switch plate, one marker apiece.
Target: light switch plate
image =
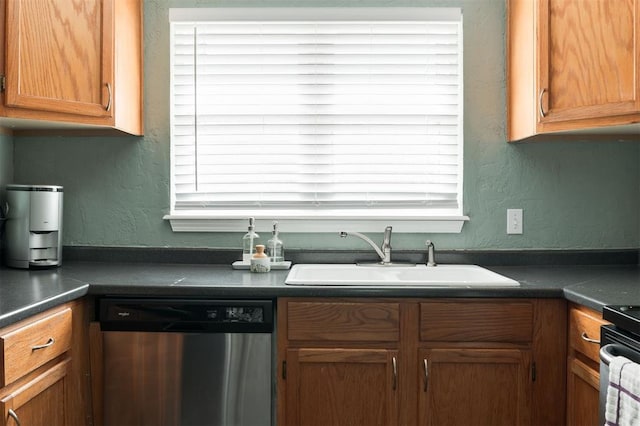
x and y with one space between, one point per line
514 221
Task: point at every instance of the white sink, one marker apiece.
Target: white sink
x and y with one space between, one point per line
419 275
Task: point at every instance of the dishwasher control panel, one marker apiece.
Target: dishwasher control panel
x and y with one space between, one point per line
185 315
242 314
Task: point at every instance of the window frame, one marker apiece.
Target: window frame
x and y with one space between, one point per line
325 220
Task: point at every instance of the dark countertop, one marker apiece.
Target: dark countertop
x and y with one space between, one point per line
27 292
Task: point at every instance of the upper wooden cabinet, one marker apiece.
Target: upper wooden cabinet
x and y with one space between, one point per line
72 61
573 65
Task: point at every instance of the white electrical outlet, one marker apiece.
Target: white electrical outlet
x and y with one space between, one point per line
514 221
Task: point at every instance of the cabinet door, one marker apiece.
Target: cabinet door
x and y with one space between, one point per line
583 392
59 56
41 401
341 387
588 60
474 387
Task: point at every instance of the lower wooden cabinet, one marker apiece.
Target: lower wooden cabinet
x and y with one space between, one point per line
44 369
583 365
475 387
342 387
40 401
583 393
433 362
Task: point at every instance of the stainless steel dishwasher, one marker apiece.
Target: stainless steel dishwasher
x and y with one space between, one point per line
186 362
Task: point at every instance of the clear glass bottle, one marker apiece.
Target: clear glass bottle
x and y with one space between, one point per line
249 241
275 248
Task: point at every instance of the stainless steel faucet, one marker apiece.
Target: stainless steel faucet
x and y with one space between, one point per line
384 251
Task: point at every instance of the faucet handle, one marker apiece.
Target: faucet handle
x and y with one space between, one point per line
386 241
431 255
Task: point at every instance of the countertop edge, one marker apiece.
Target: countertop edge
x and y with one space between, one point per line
227 292
29 310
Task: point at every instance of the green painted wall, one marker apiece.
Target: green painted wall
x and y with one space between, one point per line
6 163
574 194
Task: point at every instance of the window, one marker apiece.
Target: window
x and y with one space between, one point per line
316 116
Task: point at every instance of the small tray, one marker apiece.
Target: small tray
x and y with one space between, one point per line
275 266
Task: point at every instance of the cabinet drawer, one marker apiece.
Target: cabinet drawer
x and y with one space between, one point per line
472 321
343 321
33 344
584 325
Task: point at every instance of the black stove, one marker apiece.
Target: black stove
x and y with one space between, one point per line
624 317
620 338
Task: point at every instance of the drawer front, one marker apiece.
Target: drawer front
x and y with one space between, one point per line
472 321
584 332
28 347
338 321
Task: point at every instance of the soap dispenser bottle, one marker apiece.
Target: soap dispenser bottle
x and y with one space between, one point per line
275 248
249 241
260 261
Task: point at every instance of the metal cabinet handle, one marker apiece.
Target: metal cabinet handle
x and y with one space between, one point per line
50 342
15 416
586 338
108 107
425 365
540 108
394 363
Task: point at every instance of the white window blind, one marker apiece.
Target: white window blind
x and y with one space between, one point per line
316 111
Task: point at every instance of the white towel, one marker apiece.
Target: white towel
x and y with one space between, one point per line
623 393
